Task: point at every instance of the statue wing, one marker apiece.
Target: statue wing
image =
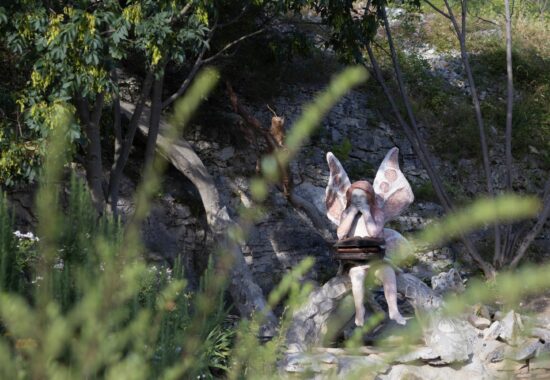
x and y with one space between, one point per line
393 191
335 193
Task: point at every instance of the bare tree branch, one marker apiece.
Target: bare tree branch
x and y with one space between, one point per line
250 119
116 112
508 134
440 11
464 10
461 35
408 106
528 239
187 82
231 44
234 19
200 61
510 96
486 20
420 150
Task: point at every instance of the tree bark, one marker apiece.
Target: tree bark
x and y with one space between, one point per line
460 32
508 135
121 156
246 293
93 164
156 110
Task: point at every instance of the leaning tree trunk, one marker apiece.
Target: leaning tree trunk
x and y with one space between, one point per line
246 293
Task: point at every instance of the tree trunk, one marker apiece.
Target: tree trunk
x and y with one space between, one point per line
508 137
156 110
93 164
460 32
121 156
246 293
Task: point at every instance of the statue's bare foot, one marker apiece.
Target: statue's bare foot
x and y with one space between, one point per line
397 317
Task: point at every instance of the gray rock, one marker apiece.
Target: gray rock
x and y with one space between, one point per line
226 153
409 372
362 366
525 350
543 350
308 325
489 351
511 327
299 363
541 333
479 322
281 241
314 194
493 332
448 282
422 353
451 338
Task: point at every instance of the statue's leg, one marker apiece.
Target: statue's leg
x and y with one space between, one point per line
357 277
386 274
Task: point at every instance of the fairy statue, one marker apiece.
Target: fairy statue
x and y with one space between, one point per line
360 210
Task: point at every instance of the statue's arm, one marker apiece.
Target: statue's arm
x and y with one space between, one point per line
346 222
374 220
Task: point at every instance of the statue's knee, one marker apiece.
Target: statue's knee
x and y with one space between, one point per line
357 274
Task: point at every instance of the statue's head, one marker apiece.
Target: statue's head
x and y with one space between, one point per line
360 192
390 191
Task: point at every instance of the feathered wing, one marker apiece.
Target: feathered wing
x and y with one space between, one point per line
393 191
335 193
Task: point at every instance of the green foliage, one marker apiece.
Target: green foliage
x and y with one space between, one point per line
343 149
424 192
69 49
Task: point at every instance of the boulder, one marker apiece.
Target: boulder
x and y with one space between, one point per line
511 327
448 282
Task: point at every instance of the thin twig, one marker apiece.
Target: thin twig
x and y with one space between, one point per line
528 239
441 12
272 111
461 35
485 20
382 48
234 19
231 44
185 84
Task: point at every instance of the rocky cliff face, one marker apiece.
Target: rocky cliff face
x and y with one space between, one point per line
357 130
358 133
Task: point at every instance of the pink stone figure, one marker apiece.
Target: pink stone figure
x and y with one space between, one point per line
361 210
